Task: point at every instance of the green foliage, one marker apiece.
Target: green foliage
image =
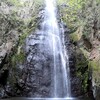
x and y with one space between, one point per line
15 2
18 18
85 13
18 15
95 65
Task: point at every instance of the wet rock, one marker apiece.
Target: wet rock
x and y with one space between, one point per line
36 78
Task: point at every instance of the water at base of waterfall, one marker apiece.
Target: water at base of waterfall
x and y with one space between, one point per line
24 98
42 99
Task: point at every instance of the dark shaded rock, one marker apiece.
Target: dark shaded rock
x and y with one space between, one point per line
3 62
97 94
87 43
3 77
76 87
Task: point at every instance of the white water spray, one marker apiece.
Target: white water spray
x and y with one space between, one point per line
55 41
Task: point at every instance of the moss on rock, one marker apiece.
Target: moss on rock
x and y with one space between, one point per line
76 36
82 69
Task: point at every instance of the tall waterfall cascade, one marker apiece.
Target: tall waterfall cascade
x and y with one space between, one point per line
55 41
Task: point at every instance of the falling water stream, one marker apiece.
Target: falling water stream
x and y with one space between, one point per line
55 41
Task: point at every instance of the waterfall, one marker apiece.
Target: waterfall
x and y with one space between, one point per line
55 41
48 57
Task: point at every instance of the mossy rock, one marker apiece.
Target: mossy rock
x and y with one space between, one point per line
76 36
95 65
18 58
85 52
95 71
82 69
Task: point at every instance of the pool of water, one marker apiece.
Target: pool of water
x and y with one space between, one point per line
46 98
40 99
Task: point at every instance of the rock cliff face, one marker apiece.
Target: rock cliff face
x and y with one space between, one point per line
16 24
